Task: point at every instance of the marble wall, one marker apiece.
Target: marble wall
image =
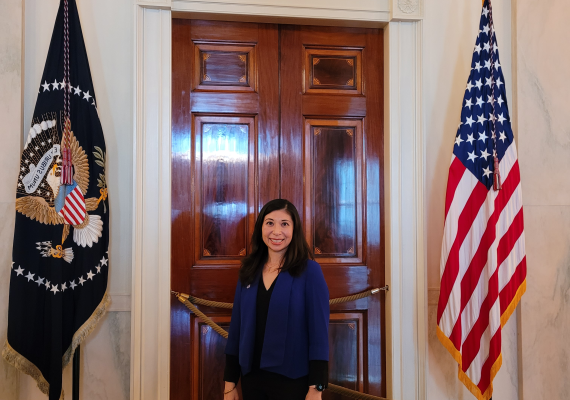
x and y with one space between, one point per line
10 128
543 75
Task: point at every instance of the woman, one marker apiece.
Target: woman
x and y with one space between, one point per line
278 336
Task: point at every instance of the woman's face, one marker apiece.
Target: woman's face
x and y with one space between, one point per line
277 231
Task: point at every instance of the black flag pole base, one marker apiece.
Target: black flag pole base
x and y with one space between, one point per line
76 361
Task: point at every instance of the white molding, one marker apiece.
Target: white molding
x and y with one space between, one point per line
358 10
150 357
404 179
405 232
164 4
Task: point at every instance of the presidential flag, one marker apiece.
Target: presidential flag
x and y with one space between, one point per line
483 263
58 284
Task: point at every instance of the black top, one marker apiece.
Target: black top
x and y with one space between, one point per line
318 369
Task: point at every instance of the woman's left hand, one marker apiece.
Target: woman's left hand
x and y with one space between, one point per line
313 394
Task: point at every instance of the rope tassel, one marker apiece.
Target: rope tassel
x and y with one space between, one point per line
67 165
496 175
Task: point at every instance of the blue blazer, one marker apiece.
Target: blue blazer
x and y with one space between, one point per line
297 323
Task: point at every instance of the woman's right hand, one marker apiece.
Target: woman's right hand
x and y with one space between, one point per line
230 391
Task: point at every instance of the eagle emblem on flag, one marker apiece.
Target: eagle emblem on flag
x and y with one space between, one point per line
44 198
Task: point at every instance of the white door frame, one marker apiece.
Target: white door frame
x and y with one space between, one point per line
404 178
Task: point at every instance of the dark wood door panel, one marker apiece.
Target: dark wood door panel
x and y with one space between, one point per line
346 354
333 190
180 351
208 359
224 31
216 284
375 225
182 233
292 120
243 103
268 152
224 171
346 365
334 106
334 36
225 130
333 70
225 67
321 194
249 103
344 280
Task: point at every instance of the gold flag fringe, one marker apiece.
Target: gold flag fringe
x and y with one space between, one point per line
514 303
472 387
22 364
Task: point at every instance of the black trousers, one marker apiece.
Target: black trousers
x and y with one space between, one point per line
264 385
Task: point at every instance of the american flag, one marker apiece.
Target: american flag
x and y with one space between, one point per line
483 261
74 207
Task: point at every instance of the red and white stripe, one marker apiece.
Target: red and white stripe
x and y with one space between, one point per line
74 208
483 269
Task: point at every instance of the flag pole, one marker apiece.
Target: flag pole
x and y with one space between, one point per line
67 169
75 384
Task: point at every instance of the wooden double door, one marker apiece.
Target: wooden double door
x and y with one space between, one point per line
264 111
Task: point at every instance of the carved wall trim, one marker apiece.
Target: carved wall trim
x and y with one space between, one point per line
408 6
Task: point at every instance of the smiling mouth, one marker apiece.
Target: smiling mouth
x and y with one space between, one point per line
276 241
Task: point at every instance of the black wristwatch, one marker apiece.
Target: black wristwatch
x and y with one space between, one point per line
320 387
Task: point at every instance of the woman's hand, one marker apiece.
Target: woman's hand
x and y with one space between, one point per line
230 391
313 394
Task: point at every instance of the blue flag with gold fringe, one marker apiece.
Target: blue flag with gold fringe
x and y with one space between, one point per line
58 283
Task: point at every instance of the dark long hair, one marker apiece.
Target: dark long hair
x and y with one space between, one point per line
298 251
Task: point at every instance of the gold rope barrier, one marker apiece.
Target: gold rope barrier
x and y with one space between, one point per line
204 317
219 304
185 299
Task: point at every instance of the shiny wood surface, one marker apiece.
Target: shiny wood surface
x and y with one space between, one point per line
301 112
346 333
215 190
224 67
333 106
218 191
182 220
334 190
222 161
208 354
243 103
329 144
333 70
346 337
292 118
374 203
